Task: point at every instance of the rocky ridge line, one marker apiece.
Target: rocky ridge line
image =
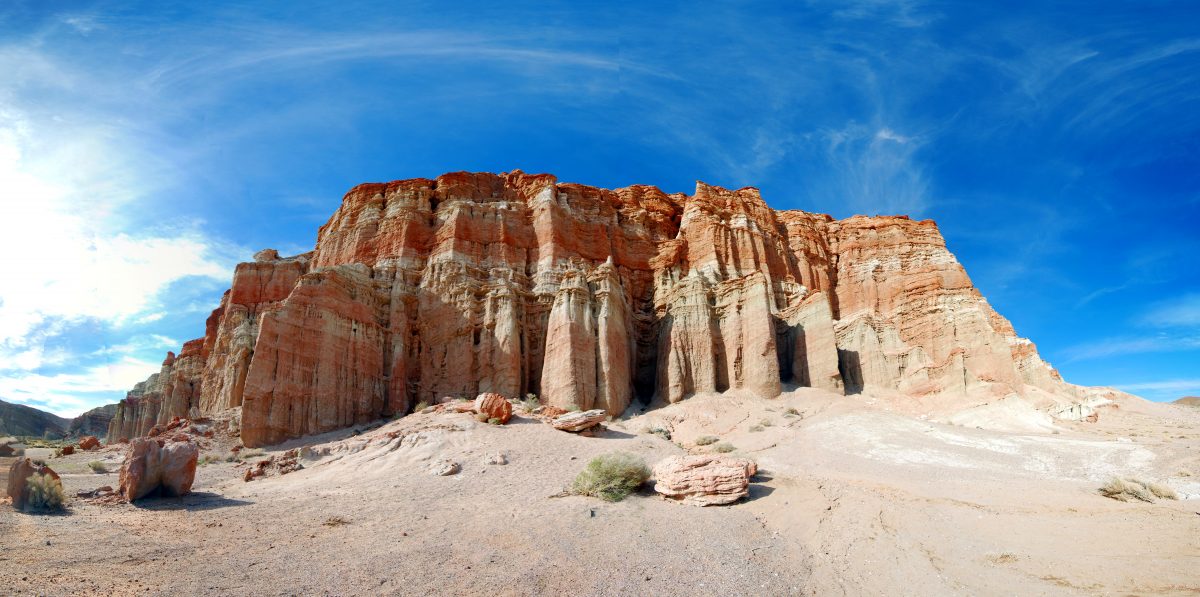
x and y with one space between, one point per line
425 289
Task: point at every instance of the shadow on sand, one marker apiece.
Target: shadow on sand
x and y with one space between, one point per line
192 502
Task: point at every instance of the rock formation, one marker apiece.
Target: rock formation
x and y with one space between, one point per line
705 479
419 290
156 466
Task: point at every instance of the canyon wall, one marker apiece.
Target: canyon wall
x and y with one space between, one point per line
423 290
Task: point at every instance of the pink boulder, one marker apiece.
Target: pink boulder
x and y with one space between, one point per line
704 480
154 466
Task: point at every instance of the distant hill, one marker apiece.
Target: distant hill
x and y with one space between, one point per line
18 419
93 422
1189 401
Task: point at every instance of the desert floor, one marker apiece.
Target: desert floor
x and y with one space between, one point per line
854 497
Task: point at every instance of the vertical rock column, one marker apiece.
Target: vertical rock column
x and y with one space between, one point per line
687 363
614 327
569 372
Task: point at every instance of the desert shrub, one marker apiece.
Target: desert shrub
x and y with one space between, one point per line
1162 491
422 405
706 440
45 493
791 412
531 403
612 476
756 428
765 422
724 448
481 417
659 431
1124 489
98 467
494 421
250 453
58 452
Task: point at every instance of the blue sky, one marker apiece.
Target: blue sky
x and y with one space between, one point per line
147 147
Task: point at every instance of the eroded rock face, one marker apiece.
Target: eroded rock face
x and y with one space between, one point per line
158 466
704 480
513 283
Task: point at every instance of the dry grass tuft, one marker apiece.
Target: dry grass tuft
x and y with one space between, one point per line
1126 489
724 448
98 467
1162 491
706 440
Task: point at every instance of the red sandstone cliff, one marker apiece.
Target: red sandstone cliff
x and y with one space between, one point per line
423 289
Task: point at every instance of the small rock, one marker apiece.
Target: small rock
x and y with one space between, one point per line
496 458
443 468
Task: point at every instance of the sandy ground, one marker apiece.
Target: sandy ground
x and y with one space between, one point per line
856 497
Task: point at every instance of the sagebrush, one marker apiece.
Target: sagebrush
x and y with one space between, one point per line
45 493
612 477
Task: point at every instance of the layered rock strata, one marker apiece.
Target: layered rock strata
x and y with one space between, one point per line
423 290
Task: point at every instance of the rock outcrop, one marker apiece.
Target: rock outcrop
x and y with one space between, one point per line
157 466
89 443
425 290
704 480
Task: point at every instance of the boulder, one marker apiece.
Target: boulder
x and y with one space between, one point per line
155 466
89 443
704 480
18 473
68 450
494 406
578 421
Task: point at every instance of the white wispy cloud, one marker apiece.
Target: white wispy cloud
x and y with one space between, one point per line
69 394
1167 389
1110 347
1181 311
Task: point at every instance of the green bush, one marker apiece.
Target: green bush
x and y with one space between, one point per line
611 477
706 440
531 403
724 448
98 467
45 493
495 421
